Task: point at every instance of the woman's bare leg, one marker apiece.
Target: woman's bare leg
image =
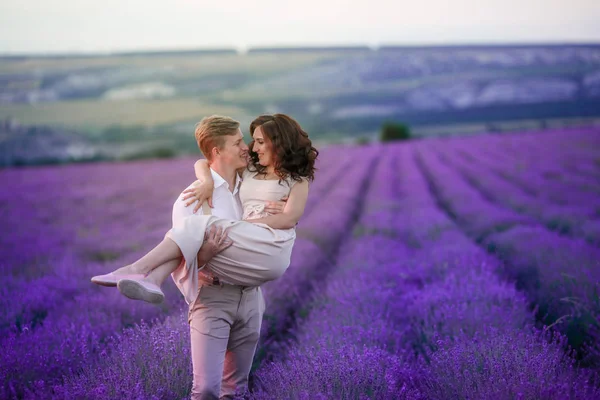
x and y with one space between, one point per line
160 273
164 252
148 288
167 252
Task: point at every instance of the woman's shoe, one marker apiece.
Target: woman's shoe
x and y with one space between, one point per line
111 278
141 289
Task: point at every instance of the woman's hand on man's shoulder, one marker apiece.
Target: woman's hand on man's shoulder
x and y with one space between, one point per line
200 192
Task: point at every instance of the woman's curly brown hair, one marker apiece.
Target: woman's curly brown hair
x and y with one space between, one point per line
294 154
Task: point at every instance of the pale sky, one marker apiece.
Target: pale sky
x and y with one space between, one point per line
58 26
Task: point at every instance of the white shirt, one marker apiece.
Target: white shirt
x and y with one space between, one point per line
225 203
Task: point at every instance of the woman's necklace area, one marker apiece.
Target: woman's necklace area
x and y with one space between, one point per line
268 176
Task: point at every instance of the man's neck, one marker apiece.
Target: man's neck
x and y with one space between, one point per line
227 172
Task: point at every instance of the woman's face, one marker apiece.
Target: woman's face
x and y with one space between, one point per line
263 147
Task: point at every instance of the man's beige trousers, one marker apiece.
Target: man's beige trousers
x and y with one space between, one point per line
225 323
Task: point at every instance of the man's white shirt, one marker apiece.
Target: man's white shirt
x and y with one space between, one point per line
226 204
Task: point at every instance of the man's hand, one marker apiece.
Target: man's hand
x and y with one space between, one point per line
201 191
276 207
215 241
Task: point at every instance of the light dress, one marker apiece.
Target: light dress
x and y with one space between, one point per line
259 253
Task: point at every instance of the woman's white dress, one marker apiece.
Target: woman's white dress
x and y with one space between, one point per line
259 253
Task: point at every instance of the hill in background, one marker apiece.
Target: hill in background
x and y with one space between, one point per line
146 103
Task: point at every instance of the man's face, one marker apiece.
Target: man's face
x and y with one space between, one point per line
234 151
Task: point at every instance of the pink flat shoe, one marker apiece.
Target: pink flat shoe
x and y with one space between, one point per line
111 279
141 289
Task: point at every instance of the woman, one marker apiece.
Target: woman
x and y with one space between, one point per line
281 164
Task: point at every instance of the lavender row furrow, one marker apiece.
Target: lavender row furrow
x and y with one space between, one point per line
463 312
547 267
547 190
579 143
472 212
325 227
538 157
327 178
567 220
478 324
68 209
339 350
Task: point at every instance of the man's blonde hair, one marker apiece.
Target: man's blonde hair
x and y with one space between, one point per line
211 132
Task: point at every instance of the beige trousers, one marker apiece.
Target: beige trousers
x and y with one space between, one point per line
225 323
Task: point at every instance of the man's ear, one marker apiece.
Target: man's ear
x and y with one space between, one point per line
215 152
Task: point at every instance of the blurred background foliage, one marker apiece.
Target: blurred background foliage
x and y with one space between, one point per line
394 131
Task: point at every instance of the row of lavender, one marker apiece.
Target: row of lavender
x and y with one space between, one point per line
426 318
107 370
560 155
558 272
340 349
555 181
63 225
574 219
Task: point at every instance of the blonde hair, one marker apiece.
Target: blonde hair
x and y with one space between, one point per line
211 132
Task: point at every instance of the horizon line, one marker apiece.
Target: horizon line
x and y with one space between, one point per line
297 47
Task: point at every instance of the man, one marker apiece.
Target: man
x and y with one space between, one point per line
224 319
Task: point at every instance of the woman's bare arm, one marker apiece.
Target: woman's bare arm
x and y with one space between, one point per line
202 170
203 187
292 212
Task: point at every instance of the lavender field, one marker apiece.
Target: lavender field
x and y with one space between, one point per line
451 268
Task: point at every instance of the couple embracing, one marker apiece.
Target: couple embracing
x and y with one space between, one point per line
251 199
